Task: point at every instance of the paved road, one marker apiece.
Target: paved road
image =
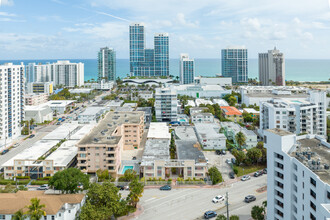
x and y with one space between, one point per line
41 132
191 203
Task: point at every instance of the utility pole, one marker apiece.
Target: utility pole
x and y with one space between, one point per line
227 204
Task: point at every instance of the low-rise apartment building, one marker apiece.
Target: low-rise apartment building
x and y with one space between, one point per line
57 207
91 115
203 117
103 146
231 113
298 176
209 137
36 99
231 129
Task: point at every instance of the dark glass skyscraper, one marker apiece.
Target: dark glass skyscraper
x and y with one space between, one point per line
106 64
161 54
148 62
187 69
234 63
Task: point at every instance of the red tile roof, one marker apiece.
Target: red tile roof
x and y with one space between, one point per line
229 110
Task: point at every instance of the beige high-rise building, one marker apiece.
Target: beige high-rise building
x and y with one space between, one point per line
103 146
272 68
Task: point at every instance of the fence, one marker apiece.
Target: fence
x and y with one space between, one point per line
201 182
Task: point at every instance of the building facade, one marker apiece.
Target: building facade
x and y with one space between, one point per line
209 137
12 82
232 113
148 62
219 80
297 176
166 105
187 69
106 64
231 129
40 87
36 99
203 117
296 116
272 68
234 61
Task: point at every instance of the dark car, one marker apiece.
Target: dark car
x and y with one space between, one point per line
265 171
32 136
218 152
120 187
258 173
232 175
4 151
210 214
223 152
166 187
233 160
250 198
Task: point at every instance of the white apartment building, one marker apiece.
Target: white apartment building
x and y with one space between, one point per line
11 102
272 68
209 137
36 99
298 176
296 116
218 80
166 104
202 117
91 115
61 73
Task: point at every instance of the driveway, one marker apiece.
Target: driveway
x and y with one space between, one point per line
220 162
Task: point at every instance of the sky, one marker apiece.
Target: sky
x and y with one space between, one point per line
76 29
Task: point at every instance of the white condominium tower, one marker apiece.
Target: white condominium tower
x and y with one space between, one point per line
12 102
298 176
107 64
187 69
272 68
296 116
166 104
61 73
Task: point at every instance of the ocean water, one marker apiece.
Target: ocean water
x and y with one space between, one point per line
297 70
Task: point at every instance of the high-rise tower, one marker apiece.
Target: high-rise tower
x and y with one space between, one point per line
187 69
234 62
106 64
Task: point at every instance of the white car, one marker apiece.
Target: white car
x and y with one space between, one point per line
246 177
218 198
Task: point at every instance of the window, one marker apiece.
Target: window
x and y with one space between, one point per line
265 139
295 167
328 194
279 156
159 171
279 184
313 182
279 212
279 194
280 204
295 177
312 216
53 217
45 217
2 217
279 175
279 165
313 206
313 194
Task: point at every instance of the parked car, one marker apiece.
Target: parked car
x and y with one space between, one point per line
218 152
133 158
218 198
223 152
166 187
43 187
233 160
58 123
4 151
32 136
265 171
245 177
228 161
250 198
210 214
232 175
258 173
126 187
120 187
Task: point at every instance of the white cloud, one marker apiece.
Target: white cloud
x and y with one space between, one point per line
6 14
182 20
252 23
6 2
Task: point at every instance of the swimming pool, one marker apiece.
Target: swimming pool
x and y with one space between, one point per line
127 168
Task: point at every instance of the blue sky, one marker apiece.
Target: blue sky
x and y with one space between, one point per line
54 29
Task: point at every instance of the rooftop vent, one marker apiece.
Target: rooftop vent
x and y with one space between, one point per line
96 139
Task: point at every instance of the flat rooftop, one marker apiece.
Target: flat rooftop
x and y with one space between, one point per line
102 132
158 130
59 103
93 110
251 110
155 149
35 151
237 128
189 150
63 131
269 95
185 133
64 154
115 103
208 131
280 132
319 157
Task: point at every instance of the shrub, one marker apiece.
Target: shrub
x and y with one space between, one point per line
39 182
23 177
169 180
235 170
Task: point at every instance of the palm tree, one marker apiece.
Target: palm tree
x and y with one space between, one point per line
31 122
19 215
240 138
35 210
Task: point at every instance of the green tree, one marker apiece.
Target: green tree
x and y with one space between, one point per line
234 217
103 202
68 180
247 117
129 175
232 101
35 209
19 215
258 212
240 139
136 189
254 154
221 217
215 175
261 147
103 175
239 155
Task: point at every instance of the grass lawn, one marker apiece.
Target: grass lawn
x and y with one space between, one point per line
243 170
